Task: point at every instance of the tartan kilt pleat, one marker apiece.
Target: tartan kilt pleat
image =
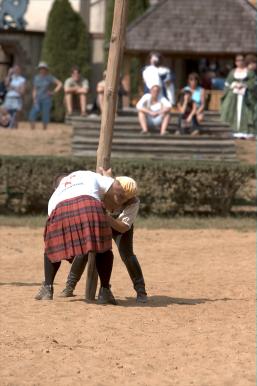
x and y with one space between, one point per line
75 227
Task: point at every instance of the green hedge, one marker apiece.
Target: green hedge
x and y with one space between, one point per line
166 187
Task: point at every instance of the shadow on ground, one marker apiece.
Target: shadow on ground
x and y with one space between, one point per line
161 301
21 284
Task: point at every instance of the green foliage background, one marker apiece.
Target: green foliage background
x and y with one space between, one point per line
165 187
66 44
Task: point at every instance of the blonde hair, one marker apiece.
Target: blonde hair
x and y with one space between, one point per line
129 186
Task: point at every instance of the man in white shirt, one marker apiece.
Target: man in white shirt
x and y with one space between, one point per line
80 183
154 111
162 76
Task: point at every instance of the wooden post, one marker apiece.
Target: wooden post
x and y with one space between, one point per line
108 115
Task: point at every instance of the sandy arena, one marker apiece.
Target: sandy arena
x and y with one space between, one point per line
197 329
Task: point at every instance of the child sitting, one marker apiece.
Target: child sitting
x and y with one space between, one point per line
187 109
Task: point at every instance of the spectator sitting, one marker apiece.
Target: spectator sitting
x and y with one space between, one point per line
76 85
42 95
187 109
198 97
5 118
15 85
154 111
100 92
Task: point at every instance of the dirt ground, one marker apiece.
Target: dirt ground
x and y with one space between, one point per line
56 140
197 329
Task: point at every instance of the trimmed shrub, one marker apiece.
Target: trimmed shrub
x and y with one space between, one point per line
66 44
165 187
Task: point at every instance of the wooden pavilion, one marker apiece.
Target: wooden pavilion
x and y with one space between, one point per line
188 32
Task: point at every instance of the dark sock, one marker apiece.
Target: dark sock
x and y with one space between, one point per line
50 270
104 262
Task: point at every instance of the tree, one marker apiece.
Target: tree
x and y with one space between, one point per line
136 9
66 44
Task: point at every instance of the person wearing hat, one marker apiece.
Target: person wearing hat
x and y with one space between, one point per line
42 94
121 221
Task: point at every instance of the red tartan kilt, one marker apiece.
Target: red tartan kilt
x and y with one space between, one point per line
75 227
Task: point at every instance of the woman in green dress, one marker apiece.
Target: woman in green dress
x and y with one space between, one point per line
239 99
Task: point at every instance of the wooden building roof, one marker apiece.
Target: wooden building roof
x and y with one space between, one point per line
196 27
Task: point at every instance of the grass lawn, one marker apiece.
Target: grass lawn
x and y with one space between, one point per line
240 223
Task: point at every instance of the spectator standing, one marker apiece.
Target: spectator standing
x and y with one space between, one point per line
250 61
198 97
43 94
239 100
154 111
15 85
155 74
76 86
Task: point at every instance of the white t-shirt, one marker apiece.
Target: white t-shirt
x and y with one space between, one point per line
151 77
145 102
16 82
80 183
129 213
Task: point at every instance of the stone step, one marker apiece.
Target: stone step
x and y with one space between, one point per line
132 111
130 121
214 143
135 125
229 157
221 133
152 151
162 142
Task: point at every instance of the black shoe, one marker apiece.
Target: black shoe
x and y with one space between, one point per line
45 293
142 297
67 292
105 296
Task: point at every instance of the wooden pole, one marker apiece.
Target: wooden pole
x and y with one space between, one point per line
109 109
112 82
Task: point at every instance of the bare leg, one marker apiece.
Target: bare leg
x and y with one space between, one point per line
142 121
165 123
200 117
100 101
68 102
83 103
